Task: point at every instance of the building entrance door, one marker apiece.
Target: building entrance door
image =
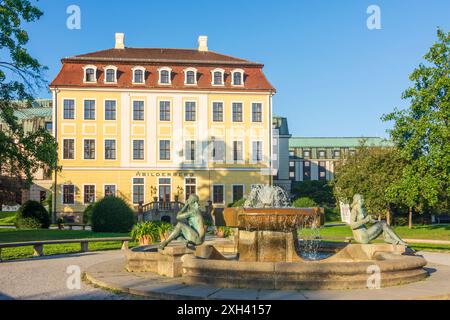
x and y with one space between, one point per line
164 192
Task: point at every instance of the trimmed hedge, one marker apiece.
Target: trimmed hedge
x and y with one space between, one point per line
112 214
32 215
304 202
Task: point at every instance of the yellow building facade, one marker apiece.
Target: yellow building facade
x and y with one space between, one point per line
148 124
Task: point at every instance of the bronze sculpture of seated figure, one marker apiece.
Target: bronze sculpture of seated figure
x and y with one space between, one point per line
190 227
362 234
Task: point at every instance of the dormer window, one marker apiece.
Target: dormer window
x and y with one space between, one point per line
190 76
238 77
90 73
217 77
138 75
110 74
164 75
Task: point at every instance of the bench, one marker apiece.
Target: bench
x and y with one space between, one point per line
71 225
38 246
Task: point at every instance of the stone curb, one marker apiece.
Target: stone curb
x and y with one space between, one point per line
166 288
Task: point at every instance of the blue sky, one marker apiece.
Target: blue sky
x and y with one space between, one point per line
334 76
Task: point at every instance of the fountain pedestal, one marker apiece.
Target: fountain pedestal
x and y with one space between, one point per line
267 246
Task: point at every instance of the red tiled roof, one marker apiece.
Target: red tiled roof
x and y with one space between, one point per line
163 55
71 73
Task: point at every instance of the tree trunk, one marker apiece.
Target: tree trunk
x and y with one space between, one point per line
388 216
410 218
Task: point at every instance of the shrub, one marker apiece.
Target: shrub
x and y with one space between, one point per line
304 202
332 215
112 214
87 214
32 215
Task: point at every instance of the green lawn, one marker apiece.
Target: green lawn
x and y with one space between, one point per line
7 218
9 235
433 232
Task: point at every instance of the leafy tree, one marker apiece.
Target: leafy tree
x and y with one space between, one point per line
370 172
422 133
320 191
22 153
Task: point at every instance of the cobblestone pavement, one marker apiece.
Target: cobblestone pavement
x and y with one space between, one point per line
46 278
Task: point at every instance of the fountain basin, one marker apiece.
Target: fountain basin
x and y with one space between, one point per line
347 269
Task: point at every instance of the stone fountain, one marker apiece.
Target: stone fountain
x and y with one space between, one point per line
269 254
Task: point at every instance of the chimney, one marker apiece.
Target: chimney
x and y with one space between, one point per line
120 44
203 43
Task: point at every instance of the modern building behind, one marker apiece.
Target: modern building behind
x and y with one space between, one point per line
280 153
314 158
151 123
38 115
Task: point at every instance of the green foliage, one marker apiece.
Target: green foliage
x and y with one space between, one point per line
22 154
304 202
320 191
32 215
421 132
227 231
87 214
371 172
145 229
332 214
112 214
152 229
237 203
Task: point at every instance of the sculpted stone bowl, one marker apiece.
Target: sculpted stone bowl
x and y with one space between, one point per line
271 219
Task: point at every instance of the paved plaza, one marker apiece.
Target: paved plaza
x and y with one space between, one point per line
46 278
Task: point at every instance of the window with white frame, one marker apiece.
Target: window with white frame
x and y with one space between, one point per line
218 194
69 109
238 151
110 190
110 109
164 75
89 193
218 111
257 152
164 110
322 153
89 149
190 76
68 194
189 150
110 149
89 109
138 74
138 190
138 149
238 77
237 111
68 149
110 74
190 110
90 73
256 112
238 192
218 77
164 149
191 186
138 110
